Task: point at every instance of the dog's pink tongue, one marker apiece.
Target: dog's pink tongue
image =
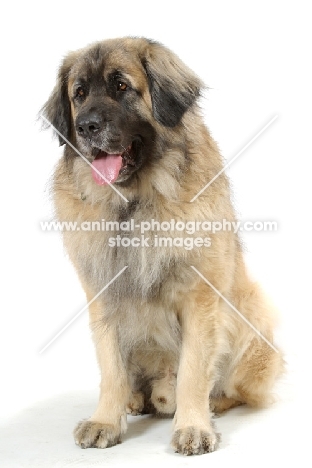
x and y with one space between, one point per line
108 166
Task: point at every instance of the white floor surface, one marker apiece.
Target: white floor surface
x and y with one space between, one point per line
41 436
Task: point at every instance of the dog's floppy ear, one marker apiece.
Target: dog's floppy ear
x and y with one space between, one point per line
173 86
57 109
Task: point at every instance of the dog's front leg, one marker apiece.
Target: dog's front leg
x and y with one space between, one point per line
109 421
193 430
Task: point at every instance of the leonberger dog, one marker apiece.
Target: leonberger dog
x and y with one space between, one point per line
179 327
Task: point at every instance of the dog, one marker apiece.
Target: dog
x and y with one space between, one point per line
163 300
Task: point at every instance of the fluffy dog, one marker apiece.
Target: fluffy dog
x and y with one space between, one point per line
166 340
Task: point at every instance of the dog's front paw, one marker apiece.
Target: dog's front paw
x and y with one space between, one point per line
94 434
194 440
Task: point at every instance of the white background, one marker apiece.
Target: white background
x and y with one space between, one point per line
255 57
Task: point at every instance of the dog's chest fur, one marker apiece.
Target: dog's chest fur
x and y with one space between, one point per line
152 272
144 300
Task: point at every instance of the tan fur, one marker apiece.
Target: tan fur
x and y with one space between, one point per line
164 338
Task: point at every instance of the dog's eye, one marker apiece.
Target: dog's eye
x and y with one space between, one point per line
121 86
80 93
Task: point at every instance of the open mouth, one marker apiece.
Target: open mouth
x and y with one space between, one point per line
107 167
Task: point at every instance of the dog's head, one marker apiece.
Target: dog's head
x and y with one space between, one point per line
113 99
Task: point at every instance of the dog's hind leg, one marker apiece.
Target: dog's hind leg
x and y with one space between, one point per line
223 403
254 377
163 396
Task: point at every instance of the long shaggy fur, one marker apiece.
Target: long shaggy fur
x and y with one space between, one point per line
165 340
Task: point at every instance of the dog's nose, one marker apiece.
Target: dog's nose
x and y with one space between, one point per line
88 125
